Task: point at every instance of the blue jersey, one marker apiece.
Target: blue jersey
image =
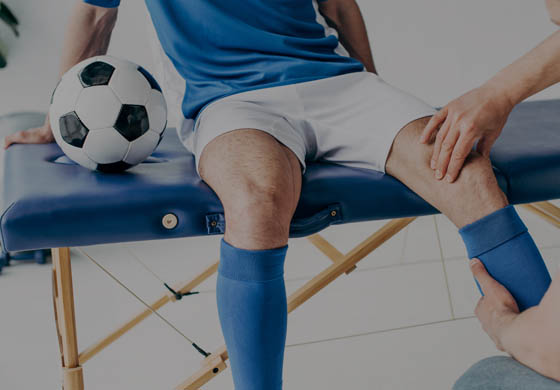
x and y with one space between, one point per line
223 47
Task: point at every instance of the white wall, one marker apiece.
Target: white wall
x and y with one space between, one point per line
33 59
436 49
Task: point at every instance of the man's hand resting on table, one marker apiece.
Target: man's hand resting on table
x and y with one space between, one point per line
39 135
88 34
531 337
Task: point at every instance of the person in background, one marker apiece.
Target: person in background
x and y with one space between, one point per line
532 337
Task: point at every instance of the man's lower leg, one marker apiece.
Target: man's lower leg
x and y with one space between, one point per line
253 314
489 227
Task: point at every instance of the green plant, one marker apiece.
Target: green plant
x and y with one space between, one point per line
9 18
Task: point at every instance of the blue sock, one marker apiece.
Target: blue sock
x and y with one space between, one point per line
501 241
253 313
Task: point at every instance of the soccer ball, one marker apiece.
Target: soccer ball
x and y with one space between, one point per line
107 114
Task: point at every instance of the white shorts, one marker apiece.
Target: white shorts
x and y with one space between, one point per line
350 119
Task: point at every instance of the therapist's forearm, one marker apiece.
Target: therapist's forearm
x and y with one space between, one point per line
535 71
533 337
88 34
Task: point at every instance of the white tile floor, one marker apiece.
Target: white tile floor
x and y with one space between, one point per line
403 320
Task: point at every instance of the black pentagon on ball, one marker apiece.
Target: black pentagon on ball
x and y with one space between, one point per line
72 130
113 167
132 121
153 83
96 73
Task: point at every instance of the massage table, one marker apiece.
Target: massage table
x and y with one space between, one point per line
50 202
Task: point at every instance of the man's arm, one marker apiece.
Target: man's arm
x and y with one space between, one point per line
88 34
346 18
480 115
532 337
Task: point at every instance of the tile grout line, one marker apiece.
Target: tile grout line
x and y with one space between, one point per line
371 268
381 331
358 270
444 269
405 240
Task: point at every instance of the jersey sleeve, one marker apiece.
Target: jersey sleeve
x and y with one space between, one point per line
104 3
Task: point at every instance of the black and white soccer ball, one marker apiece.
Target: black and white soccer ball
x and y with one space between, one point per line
108 114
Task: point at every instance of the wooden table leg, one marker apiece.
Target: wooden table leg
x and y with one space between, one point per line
65 319
546 211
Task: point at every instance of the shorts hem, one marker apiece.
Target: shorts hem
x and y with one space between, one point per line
208 135
401 124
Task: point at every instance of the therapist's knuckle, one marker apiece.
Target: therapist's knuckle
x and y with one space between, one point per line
447 146
467 127
457 159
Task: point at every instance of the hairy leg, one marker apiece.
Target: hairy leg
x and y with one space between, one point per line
491 230
474 195
258 181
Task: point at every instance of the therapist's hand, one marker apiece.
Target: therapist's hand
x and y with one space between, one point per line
497 309
39 135
478 115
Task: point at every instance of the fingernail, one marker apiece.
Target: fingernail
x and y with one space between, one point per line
448 178
433 164
438 174
474 262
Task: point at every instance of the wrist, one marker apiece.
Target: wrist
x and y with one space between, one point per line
46 133
501 94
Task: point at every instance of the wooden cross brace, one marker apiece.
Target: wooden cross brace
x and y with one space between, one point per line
214 364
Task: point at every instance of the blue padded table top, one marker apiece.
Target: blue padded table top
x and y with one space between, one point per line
49 204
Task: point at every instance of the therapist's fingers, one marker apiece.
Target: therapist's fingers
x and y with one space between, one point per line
447 148
433 124
460 153
440 137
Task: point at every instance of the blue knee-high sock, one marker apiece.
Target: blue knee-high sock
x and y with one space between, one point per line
253 313
501 241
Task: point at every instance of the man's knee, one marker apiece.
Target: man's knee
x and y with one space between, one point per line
258 216
258 181
254 200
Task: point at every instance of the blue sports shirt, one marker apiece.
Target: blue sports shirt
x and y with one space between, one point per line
223 47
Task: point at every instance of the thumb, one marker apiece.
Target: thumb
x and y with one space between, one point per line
484 145
487 284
